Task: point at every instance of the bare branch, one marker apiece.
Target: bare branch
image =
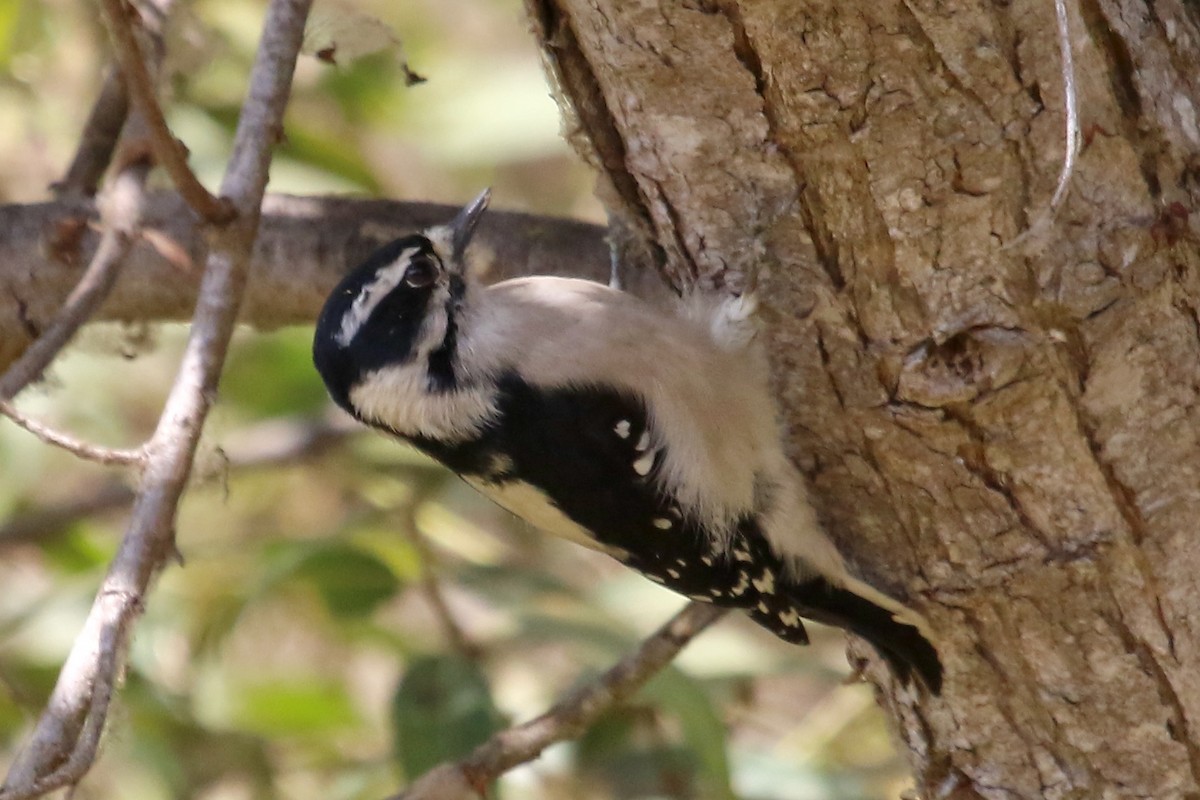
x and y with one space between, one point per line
569 718
91 452
268 444
122 211
169 151
304 248
98 139
63 744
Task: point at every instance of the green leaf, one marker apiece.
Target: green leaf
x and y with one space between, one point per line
351 582
10 14
442 709
297 707
703 729
76 552
272 375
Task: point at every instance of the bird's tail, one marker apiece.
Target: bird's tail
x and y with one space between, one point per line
900 635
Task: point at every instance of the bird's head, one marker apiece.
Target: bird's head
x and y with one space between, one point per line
399 307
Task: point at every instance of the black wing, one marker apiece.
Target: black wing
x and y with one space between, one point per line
589 451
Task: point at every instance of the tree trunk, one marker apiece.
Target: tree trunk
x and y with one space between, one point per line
1005 435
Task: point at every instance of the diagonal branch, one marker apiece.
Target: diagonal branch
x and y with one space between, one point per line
169 151
63 744
98 140
569 718
122 212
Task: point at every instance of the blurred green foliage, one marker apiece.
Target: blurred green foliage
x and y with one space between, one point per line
296 653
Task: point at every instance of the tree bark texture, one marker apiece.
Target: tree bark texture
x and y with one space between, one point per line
1006 436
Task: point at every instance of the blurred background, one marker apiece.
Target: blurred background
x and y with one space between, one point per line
347 614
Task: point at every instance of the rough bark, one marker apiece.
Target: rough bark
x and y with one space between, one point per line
1005 436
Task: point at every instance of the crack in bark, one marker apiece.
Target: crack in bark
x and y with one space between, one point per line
1121 70
827 365
976 463
922 38
979 637
807 201
578 82
676 232
23 317
1180 731
1125 502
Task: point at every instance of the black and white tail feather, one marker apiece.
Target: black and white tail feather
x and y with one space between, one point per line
651 437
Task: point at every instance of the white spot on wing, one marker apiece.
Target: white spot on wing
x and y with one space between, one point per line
790 618
642 465
766 583
742 586
674 573
643 442
622 429
662 523
499 464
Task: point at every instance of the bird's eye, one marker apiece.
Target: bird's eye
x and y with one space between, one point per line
420 273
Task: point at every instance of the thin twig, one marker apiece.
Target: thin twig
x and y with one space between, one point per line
268 444
1071 106
62 747
122 211
98 140
102 455
568 718
169 151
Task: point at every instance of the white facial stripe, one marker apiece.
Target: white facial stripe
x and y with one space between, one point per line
371 295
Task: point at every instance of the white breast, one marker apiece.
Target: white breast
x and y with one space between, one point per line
535 507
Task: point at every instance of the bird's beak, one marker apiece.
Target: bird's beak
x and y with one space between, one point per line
463 226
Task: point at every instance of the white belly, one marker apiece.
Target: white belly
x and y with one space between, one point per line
532 505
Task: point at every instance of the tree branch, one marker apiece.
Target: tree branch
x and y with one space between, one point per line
169 151
122 211
98 139
91 452
268 444
305 246
569 718
63 744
